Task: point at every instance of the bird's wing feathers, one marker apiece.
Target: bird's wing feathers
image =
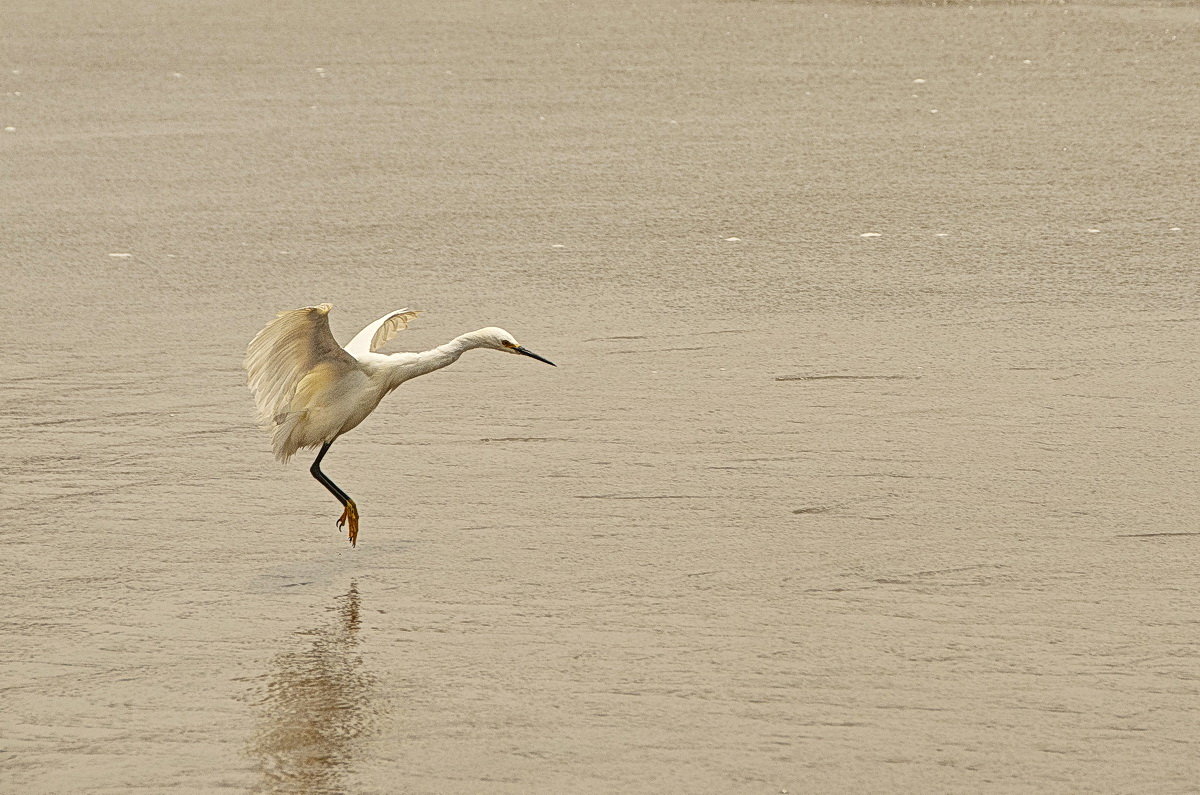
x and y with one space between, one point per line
283 353
376 335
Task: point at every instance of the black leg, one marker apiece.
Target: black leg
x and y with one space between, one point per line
350 514
324 480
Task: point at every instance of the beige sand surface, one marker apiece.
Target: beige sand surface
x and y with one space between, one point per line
804 510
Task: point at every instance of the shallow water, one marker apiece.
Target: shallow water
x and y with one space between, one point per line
801 510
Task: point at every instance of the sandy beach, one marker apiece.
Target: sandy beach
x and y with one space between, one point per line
870 462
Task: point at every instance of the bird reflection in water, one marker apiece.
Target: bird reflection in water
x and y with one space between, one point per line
319 702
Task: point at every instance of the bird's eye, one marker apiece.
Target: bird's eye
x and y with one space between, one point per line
508 343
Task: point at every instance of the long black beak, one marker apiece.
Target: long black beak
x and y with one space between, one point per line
525 351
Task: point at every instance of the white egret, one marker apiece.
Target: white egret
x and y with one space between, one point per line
309 391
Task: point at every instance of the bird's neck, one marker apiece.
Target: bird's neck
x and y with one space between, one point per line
441 356
411 365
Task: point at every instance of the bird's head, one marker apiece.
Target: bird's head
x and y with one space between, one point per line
501 340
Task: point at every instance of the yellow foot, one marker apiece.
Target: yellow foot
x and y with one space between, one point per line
350 516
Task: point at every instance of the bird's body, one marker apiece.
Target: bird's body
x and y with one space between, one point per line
309 391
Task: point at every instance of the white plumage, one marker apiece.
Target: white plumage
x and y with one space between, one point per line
379 333
309 390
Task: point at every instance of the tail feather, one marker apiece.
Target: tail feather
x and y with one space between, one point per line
285 435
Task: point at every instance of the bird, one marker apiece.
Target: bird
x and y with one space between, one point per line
308 390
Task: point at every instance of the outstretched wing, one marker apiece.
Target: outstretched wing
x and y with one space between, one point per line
376 335
280 355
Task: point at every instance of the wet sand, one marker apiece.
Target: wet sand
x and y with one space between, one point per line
800 509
